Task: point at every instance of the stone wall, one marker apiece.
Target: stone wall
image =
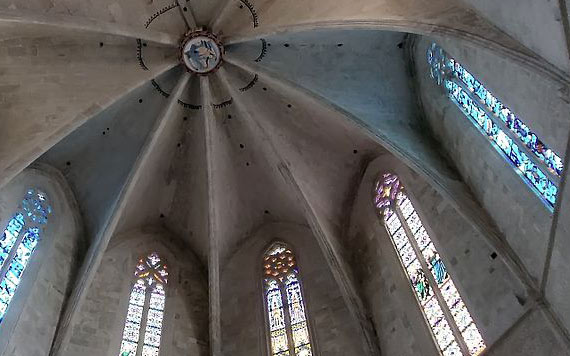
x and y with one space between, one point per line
32 317
536 23
519 213
98 328
333 330
497 301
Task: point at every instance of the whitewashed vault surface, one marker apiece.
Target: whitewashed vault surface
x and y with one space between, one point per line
211 118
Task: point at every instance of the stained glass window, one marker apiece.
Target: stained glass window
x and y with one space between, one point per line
538 165
146 303
451 324
19 240
286 315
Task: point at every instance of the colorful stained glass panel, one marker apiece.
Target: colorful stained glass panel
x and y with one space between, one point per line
148 271
436 307
283 292
486 112
9 236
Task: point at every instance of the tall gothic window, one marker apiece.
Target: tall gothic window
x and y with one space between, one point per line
443 308
286 317
537 164
18 243
146 304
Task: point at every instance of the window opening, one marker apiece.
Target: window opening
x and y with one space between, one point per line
537 164
146 303
451 323
19 241
285 306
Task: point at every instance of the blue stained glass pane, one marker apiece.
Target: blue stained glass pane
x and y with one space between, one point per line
35 207
35 210
529 139
10 235
439 270
533 174
447 67
13 276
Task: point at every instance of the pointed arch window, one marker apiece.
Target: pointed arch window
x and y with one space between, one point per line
537 164
451 323
146 303
284 303
19 240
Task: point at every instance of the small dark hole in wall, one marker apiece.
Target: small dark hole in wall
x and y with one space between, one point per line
241 6
521 300
401 45
103 132
289 105
140 101
266 211
185 118
269 44
68 163
265 89
101 44
355 151
340 44
247 164
493 255
286 45
144 44
185 8
466 251
178 145
241 145
229 116
161 215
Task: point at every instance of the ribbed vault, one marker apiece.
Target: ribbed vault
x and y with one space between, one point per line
279 133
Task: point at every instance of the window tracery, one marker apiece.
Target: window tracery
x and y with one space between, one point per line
19 240
538 165
146 303
285 306
450 322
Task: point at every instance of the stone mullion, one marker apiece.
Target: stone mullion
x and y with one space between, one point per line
142 330
288 325
481 104
435 287
13 250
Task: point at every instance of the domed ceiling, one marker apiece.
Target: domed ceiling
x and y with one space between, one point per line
211 118
217 115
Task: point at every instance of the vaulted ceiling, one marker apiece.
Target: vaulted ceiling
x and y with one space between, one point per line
307 94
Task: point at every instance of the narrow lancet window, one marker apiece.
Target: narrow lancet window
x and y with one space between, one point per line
537 164
146 304
286 315
451 324
19 240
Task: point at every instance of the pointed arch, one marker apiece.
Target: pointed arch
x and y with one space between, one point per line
146 308
445 312
19 240
285 308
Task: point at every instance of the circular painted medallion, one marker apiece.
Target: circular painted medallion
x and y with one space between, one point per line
201 52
